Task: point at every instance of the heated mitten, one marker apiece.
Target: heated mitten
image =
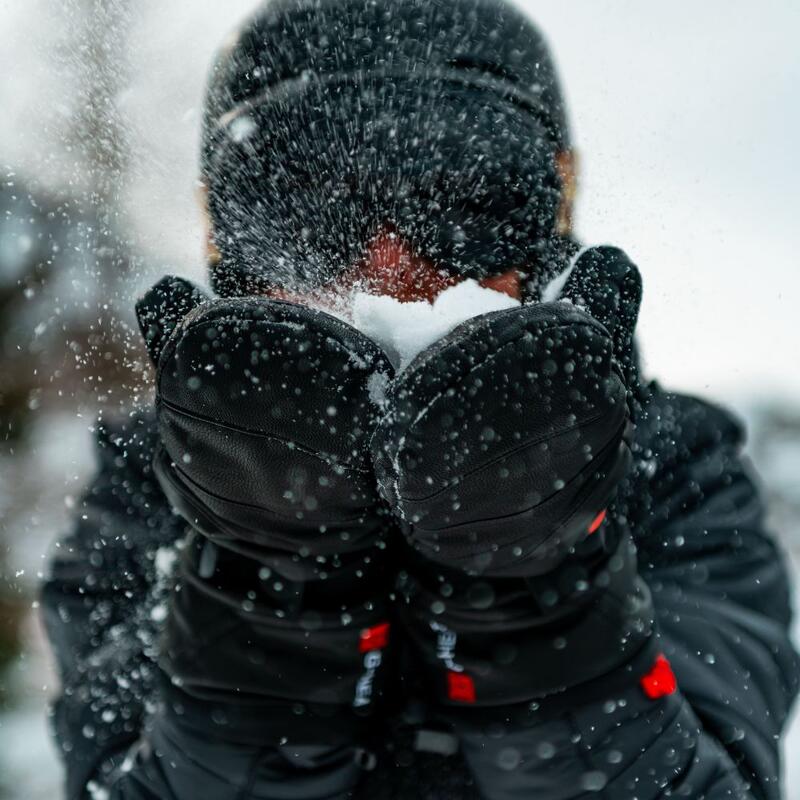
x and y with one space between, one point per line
264 411
501 452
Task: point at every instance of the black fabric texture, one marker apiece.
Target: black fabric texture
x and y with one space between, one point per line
502 449
286 39
327 122
264 411
528 412
718 582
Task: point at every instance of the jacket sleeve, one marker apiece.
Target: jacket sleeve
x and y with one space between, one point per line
102 603
124 732
720 587
720 593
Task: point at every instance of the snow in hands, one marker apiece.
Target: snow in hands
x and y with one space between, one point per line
405 329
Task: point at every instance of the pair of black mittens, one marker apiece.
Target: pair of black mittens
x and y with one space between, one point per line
499 445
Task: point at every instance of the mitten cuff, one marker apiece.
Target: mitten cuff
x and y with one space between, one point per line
490 644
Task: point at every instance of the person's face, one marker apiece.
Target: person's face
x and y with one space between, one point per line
391 266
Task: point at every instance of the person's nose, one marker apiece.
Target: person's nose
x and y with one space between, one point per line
391 267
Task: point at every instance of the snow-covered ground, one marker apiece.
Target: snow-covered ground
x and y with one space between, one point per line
29 767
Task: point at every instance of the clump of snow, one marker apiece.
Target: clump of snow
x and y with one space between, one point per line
377 384
552 290
96 791
405 329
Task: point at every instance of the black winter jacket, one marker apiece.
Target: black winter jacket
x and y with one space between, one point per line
719 588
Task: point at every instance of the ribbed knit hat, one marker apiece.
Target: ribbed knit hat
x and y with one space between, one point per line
329 120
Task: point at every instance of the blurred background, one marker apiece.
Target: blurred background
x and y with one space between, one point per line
687 120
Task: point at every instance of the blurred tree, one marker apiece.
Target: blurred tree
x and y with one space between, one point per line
65 262
97 50
33 240
96 47
65 266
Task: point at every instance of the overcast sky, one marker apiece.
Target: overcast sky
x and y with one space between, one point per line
686 116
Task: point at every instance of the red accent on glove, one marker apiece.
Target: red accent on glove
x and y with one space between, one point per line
597 521
660 681
374 638
460 687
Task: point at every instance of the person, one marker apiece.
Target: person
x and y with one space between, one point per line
513 568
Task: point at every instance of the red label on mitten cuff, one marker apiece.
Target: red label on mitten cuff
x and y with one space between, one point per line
374 638
597 521
460 687
660 681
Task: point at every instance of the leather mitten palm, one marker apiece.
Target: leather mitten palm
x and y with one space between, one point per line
501 452
264 412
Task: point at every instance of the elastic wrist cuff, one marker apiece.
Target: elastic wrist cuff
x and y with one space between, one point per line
626 681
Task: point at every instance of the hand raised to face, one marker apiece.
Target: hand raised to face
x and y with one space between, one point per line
505 440
265 410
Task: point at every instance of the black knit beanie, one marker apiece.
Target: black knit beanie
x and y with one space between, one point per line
328 120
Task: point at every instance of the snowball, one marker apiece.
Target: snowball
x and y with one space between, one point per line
405 329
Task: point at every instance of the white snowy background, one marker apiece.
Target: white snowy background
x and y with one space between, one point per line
687 120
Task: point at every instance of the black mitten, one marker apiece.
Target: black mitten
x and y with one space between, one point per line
265 410
501 452
607 285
